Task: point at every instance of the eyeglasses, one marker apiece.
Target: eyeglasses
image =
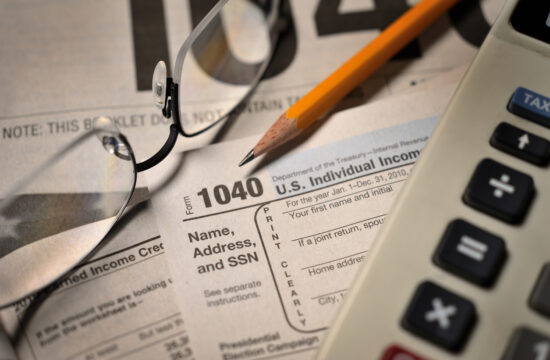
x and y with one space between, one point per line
56 216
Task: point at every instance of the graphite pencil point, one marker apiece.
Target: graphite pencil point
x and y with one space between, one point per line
249 157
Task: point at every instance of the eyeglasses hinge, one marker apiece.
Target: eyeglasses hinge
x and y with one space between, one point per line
166 110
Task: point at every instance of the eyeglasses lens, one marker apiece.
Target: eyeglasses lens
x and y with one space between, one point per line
224 63
57 219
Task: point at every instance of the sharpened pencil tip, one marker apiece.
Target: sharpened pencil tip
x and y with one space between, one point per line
249 157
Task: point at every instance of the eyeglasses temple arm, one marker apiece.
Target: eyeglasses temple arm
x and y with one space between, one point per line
192 36
162 153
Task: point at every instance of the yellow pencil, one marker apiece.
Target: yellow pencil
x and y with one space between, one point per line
331 90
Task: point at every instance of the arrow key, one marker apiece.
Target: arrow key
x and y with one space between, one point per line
521 144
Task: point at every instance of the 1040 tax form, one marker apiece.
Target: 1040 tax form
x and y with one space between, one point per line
262 257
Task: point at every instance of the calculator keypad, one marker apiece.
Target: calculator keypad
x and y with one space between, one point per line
446 319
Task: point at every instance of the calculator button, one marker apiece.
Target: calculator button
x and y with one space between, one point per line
440 316
471 253
532 18
522 144
395 352
500 191
527 344
531 106
540 299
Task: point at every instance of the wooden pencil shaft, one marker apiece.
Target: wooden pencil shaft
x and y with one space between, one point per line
280 132
369 59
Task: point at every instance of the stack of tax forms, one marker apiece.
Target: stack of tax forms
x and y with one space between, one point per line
213 261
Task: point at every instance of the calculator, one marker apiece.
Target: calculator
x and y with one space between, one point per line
461 268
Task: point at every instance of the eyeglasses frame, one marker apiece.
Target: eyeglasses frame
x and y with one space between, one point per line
171 100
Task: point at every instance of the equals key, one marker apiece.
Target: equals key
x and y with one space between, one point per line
522 144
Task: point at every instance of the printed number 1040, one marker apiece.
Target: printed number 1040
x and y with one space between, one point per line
223 195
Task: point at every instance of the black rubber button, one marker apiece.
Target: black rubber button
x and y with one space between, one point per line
471 253
540 298
521 144
500 191
527 344
440 316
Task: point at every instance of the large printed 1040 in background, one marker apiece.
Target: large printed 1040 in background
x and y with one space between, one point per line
330 17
